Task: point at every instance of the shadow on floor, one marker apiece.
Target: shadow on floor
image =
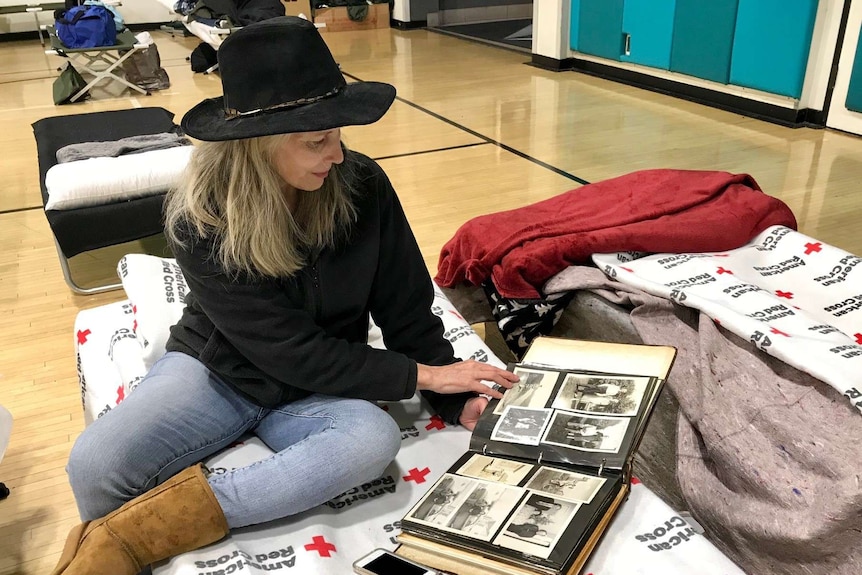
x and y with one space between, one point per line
515 34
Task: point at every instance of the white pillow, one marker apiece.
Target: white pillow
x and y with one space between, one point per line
98 181
109 355
157 289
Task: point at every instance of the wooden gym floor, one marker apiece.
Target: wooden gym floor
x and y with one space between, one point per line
474 130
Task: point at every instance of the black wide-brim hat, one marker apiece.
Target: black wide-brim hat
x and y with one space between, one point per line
279 77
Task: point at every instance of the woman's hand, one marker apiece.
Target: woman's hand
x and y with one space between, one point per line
465 376
472 410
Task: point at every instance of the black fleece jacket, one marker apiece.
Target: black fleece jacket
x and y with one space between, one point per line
278 340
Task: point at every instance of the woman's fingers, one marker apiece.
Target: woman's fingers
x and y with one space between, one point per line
472 411
465 376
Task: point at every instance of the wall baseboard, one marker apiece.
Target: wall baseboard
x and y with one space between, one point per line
730 102
407 25
552 64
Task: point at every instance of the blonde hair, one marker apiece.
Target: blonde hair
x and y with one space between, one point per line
232 194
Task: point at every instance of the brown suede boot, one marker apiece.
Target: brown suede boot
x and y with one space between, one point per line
180 515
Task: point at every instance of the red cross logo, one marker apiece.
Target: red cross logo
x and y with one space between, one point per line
320 545
135 326
435 423
82 336
784 294
635 480
721 270
455 313
812 248
121 394
858 337
778 332
417 475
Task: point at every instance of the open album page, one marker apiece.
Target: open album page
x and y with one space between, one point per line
581 418
521 512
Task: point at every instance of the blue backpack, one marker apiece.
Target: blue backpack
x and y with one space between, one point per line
86 27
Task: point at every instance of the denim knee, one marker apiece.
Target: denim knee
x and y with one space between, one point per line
95 474
381 435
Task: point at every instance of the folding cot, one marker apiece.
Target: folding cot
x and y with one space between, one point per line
100 61
89 228
35 9
214 20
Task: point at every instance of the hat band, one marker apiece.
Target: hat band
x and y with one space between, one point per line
232 113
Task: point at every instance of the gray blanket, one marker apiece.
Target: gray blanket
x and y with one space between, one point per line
769 459
114 148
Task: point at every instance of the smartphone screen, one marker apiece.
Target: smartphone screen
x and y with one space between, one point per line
387 564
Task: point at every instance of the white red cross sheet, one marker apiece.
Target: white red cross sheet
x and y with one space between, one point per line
647 536
116 342
794 297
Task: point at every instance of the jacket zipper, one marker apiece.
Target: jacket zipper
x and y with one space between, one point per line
316 298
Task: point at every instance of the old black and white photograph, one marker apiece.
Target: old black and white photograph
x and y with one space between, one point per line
615 395
467 506
521 425
565 484
533 390
496 469
442 500
537 524
587 432
483 512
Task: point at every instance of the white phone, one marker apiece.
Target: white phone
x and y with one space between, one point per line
383 562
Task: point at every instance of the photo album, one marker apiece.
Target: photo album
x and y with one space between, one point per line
548 464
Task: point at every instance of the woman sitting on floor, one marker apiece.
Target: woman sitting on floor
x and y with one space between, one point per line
287 241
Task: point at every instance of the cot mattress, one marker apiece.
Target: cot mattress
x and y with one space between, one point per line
87 228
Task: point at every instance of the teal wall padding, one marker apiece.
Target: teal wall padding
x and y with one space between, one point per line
574 23
703 38
771 43
854 92
650 24
600 28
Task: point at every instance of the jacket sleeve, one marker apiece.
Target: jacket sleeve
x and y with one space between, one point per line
279 337
403 295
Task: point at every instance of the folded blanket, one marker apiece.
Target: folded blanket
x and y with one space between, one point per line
100 181
123 146
768 456
650 211
794 297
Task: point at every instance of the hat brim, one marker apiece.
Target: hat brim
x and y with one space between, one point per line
355 104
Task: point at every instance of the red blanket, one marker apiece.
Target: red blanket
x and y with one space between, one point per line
657 211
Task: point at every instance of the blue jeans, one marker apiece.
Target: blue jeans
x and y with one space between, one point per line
181 413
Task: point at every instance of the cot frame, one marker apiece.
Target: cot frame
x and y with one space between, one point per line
100 61
35 9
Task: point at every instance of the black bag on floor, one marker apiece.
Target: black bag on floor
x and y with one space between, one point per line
203 58
144 69
67 84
